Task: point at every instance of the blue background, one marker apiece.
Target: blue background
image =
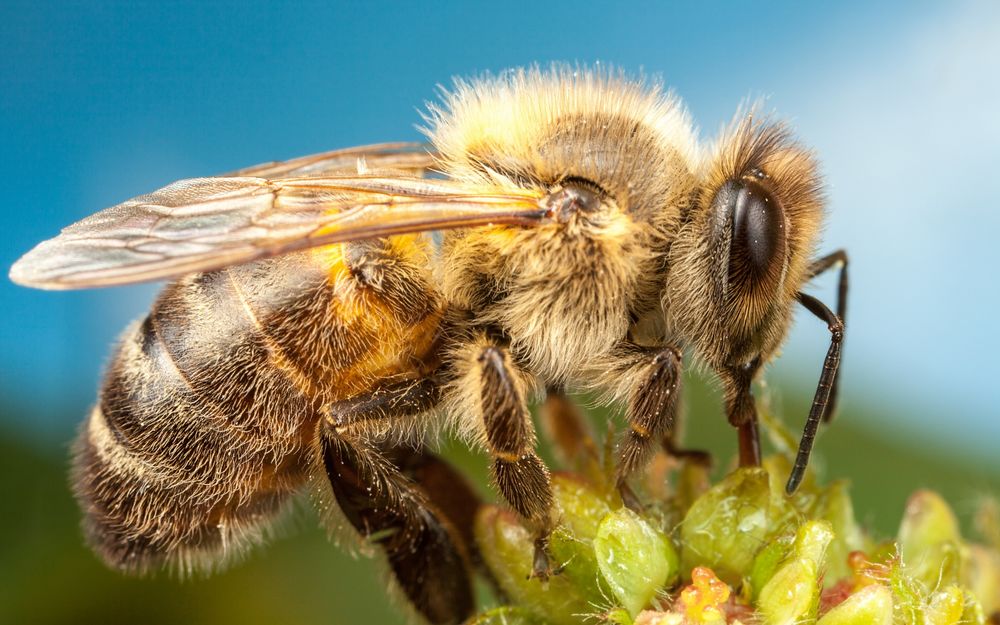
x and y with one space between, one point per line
103 101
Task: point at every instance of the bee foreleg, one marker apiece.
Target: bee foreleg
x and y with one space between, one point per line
741 410
652 405
423 549
520 475
834 259
831 366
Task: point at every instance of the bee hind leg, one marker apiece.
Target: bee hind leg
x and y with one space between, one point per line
391 400
520 475
424 550
448 491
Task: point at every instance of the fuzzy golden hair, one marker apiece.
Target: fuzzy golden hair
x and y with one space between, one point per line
546 123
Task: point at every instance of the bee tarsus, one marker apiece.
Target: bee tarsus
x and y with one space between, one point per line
830 261
824 389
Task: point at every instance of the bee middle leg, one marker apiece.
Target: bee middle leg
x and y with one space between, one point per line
424 549
520 475
652 406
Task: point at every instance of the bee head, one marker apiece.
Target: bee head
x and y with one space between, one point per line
743 251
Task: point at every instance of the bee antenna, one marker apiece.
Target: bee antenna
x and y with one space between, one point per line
822 397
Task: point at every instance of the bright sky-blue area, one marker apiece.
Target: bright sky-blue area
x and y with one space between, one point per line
100 103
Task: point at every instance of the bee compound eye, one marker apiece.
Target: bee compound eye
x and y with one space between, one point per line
758 233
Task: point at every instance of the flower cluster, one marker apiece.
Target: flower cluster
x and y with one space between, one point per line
741 551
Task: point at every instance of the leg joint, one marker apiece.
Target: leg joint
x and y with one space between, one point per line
403 398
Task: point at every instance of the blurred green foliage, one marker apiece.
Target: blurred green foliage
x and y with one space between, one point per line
47 575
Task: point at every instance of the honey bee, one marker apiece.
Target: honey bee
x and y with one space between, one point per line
315 326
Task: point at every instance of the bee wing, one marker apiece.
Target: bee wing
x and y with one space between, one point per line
202 224
406 157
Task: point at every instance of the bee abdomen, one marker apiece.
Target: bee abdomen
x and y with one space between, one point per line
198 438
138 522
207 420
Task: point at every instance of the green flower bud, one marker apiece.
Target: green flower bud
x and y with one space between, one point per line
812 540
908 595
580 507
507 548
635 558
983 577
617 616
973 613
767 562
578 563
505 615
727 525
835 507
787 510
929 541
792 594
872 605
945 607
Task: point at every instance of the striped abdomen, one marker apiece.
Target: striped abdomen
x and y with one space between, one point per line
207 419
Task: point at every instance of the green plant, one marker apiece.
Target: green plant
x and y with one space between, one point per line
740 551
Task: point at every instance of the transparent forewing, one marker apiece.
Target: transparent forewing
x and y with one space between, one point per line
203 224
414 158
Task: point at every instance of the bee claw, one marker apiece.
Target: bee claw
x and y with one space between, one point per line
629 498
541 569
